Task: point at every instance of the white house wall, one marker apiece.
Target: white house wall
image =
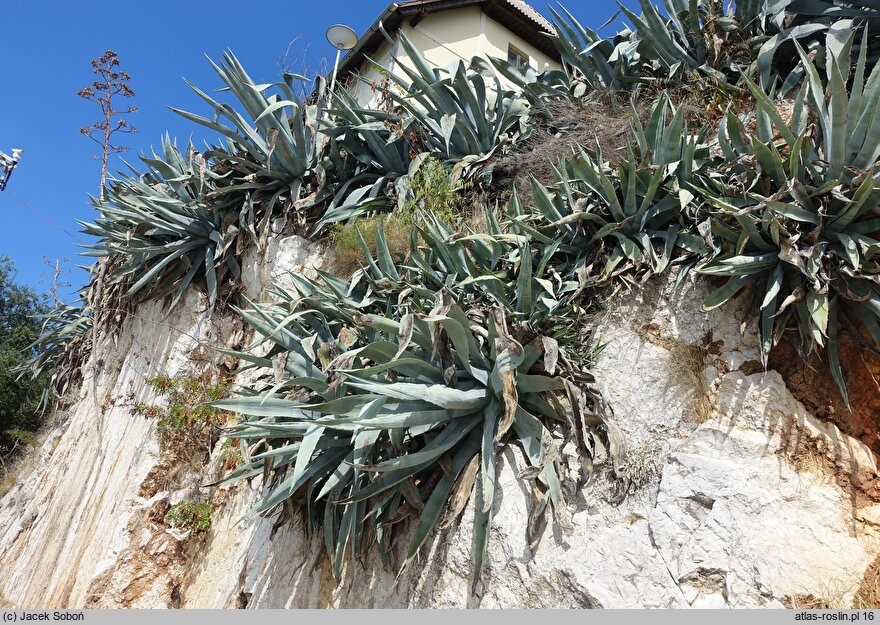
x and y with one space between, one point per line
363 86
444 38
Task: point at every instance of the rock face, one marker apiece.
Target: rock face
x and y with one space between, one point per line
67 522
740 497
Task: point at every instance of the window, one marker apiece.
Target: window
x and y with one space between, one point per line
517 58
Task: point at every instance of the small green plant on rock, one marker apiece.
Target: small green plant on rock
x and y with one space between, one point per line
194 517
185 421
642 466
233 456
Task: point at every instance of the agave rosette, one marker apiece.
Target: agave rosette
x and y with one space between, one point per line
683 41
59 351
162 230
367 155
465 114
629 216
271 151
589 62
365 419
798 216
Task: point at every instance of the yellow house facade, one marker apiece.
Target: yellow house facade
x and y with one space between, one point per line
446 31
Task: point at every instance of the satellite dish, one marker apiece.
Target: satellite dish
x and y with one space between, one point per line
342 37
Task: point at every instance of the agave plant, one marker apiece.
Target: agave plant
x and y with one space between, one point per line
807 22
626 217
367 419
390 395
723 42
798 216
689 39
271 151
589 62
464 113
500 267
699 35
59 352
162 228
368 153
592 62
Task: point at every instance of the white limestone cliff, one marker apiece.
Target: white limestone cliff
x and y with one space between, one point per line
741 498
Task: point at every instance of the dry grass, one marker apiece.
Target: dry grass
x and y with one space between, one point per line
687 364
868 595
471 211
603 123
832 595
807 601
475 220
7 481
348 253
803 456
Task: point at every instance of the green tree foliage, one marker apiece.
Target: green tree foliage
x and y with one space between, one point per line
19 327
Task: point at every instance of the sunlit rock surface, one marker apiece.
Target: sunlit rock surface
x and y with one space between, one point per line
741 498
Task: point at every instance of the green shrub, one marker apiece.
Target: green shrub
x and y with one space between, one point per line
185 420
233 454
345 239
432 189
20 395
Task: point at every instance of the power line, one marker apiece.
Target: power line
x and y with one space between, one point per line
43 217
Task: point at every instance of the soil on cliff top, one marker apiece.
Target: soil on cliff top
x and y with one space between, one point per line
810 381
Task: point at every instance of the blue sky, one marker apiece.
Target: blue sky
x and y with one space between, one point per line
47 48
